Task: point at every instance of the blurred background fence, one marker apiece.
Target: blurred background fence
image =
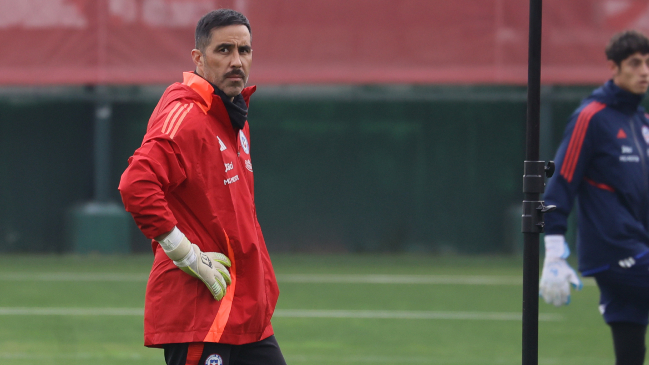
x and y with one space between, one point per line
377 126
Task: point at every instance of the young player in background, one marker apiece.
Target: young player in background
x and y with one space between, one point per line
603 161
190 188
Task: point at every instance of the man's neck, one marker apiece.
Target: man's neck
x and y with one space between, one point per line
197 72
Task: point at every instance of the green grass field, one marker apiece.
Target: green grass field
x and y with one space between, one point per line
334 309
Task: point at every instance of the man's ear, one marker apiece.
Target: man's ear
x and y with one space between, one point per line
197 57
613 67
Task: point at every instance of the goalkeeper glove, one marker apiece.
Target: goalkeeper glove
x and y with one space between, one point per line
557 275
209 267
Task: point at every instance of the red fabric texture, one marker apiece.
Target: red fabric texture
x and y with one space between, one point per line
599 185
194 172
194 352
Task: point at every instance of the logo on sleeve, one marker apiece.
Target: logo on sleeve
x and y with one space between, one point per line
244 142
214 359
249 165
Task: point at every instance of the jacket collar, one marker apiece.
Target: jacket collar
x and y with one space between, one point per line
618 98
201 87
206 91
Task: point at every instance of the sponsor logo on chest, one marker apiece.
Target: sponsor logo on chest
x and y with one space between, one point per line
621 134
626 157
231 180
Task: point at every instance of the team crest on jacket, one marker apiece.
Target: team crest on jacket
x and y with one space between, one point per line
214 359
244 142
645 133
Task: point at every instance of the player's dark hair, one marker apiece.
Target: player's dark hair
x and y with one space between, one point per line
625 44
217 19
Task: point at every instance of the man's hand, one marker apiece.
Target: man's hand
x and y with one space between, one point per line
557 275
556 279
209 267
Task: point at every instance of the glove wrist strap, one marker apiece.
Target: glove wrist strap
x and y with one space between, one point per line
172 240
189 259
556 247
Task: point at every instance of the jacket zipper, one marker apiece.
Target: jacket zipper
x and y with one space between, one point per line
237 147
641 153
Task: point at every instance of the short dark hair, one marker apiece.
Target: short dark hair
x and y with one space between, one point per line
626 43
217 19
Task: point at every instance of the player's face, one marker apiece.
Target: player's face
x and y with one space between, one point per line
227 59
633 73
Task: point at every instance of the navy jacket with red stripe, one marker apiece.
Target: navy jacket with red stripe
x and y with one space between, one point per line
603 161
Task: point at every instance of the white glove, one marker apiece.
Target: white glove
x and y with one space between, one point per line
557 275
209 267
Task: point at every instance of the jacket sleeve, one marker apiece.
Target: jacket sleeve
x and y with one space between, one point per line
572 159
154 170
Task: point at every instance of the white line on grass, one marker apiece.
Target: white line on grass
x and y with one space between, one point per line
122 356
70 276
69 311
407 279
382 314
462 360
401 279
290 313
376 359
340 359
294 278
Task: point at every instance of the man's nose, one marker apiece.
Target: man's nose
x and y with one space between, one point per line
645 68
236 60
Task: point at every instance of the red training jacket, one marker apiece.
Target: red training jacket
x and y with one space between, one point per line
194 172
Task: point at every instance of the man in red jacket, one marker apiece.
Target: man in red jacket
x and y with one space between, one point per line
190 188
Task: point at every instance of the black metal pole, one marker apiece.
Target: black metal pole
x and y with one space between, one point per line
534 83
533 186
